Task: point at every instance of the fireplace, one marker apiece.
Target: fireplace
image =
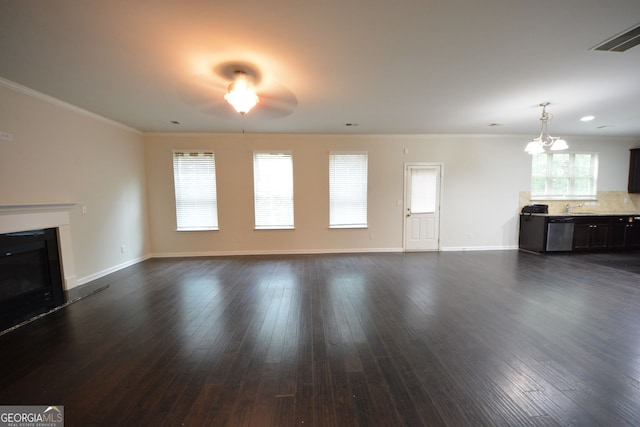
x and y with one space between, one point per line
30 275
34 234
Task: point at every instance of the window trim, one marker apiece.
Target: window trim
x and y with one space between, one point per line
216 226
541 197
293 195
349 226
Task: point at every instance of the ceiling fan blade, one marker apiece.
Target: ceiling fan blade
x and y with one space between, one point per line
199 93
275 103
207 93
208 98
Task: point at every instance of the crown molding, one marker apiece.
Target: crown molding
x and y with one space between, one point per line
8 84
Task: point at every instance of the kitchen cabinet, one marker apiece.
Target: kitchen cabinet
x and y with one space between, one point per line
633 235
618 233
625 233
634 171
589 232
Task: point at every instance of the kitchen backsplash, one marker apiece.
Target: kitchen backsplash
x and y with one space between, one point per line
614 202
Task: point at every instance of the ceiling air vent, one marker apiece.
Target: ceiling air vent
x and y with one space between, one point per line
623 42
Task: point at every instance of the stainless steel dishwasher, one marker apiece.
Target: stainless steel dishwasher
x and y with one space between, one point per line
560 234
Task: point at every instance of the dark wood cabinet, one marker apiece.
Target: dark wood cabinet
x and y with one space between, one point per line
632 236
589 236
593 232
625 233
599 236
618 233
581 236
634 171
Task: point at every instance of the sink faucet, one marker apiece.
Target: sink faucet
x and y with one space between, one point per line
568 208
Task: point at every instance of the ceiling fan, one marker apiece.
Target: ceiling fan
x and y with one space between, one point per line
242 84
241 94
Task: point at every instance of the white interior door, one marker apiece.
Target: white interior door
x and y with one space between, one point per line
422 207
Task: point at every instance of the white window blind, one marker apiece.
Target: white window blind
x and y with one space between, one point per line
564 176
424 190
348 190
273 190
194 178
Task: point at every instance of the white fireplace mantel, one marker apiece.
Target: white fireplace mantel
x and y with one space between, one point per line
15 218
36 207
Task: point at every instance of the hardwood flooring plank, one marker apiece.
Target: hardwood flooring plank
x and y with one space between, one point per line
323 400
379 394
265 406
401 396
284 411
203 406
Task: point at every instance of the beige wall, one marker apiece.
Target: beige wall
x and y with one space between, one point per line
482 179
234 157
60 154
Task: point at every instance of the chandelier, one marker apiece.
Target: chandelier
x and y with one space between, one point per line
545 141
240 93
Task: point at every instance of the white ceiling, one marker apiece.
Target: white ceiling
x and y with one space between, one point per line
392 67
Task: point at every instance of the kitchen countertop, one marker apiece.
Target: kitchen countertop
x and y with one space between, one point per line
584 214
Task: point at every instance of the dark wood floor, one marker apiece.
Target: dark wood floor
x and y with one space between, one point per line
454 338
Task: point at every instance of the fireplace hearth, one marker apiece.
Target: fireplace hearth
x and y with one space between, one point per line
30 275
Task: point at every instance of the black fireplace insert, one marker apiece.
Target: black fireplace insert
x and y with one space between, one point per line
30 275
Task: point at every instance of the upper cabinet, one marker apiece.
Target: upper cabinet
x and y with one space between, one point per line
634 171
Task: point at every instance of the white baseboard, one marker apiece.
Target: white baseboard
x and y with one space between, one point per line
272 252
95 276
321 251
478 248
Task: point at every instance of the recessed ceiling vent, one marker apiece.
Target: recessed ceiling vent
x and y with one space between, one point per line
623 42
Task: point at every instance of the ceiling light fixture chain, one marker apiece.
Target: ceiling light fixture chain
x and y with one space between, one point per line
545 141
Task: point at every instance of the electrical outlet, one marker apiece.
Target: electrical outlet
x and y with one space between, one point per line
122 249
6 136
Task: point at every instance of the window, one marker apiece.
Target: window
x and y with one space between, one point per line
194 179
564 176
348 190
273 190
424 189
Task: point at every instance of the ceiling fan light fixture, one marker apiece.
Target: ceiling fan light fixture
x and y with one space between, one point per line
545 141
240 94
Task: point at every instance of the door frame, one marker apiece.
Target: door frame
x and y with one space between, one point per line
404 199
